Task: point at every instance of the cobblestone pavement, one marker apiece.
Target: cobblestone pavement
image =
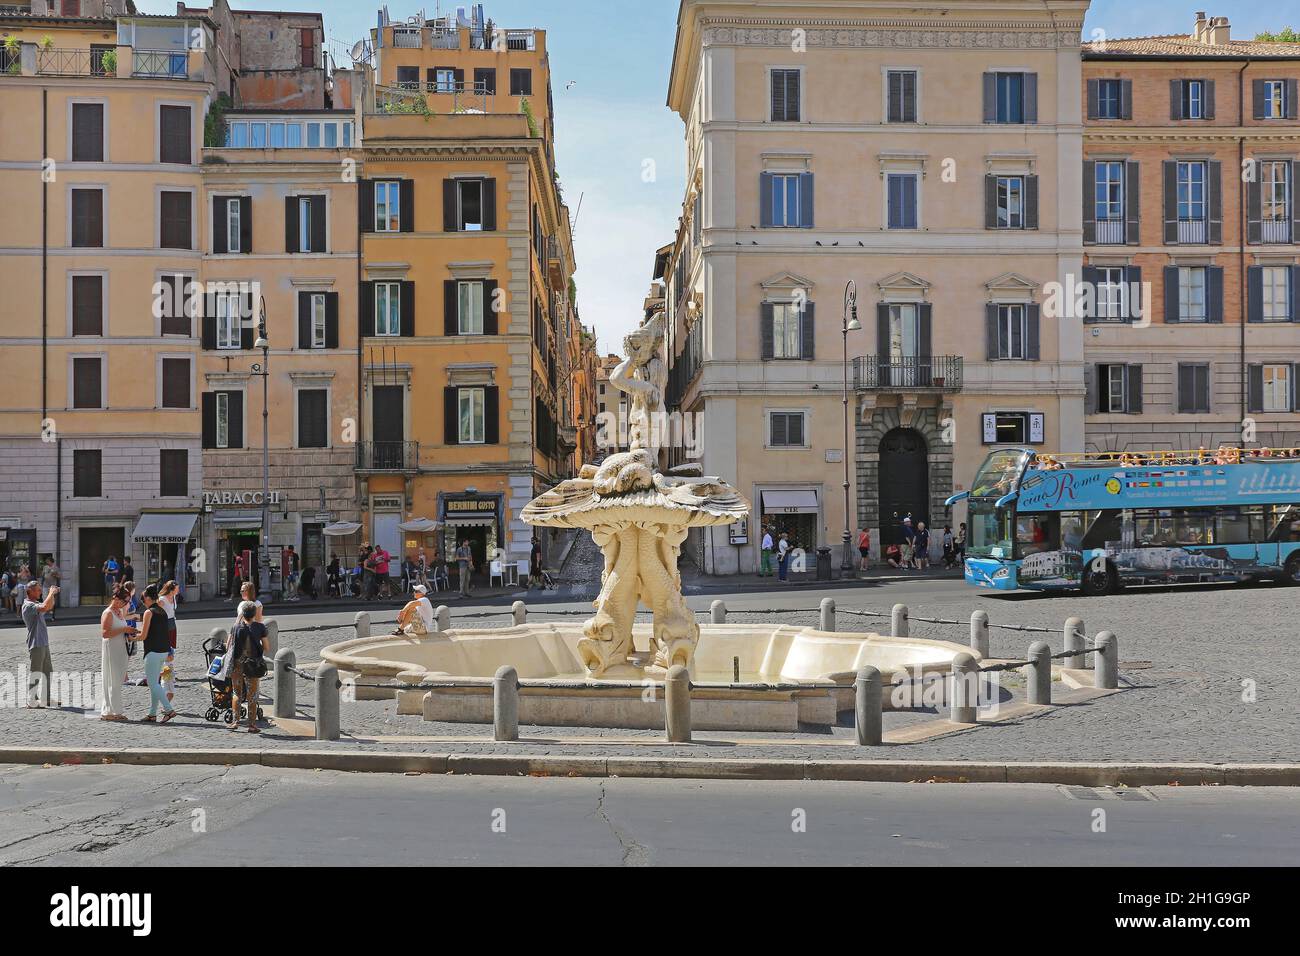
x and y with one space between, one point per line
1211 676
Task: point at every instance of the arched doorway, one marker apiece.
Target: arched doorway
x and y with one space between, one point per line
904 484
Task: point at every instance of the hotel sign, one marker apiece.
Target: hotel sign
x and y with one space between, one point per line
239 499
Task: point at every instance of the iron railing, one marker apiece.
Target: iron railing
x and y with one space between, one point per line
1192 231
388 456
940 373
11 61
60 62
160 63
1275 230
1110 232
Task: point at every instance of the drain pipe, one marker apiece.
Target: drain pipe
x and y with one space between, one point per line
1241 248
45 258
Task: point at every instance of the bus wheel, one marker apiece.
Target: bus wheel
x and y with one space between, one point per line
1291 573
1097 582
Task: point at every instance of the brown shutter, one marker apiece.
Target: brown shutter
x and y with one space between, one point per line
235 433
1214 187
175 383
990 202
209 404
174 135
87 305
291 224
366 309
1031 202
766 337
304 320
87 383
492 415
1090 201
366 205
174 229
489 199
220 230
407 309
319 236
245 224
451 415
331 320
450 214
491 321
1132 203
451 307
407 210
807 332
87 132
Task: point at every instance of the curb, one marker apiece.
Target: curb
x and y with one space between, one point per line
859 771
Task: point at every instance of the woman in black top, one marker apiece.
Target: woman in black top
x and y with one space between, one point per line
156 637
248 645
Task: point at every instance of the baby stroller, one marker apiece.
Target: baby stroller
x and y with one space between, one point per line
220 689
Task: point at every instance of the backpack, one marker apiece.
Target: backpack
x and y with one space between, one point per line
251 662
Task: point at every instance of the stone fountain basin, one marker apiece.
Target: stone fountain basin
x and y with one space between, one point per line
548 650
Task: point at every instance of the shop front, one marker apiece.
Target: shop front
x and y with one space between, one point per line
17 546
476 519
165 541
238 534
791 511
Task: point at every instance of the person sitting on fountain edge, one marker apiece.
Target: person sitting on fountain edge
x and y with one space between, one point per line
416 619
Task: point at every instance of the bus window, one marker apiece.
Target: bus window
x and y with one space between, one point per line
999 474
1036 533
1072 525
1104 526
1231 526
1285 523
990 531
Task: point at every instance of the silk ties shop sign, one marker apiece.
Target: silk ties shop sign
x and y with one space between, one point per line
239 499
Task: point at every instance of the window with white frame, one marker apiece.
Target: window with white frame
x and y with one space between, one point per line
223 419
469 298
1013 334
785 429
388 313
1191 294
232 225
304 226
1275 99
318 320
786 203
230 306
1110 191
444 81
1193 99
1108 98
388 206
1277 288
1277 388
1275 205
1011 202
1112 294
787 337
473 415
1191 191
901 197
1114 396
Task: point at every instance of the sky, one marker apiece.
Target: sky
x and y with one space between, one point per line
610 62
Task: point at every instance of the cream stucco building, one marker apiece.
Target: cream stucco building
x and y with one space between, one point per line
901 148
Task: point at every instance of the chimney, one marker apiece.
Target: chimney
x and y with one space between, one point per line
1218 31
1199 33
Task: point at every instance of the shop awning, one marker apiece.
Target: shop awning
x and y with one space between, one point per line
238 520
341 529
420 526
790 502
156 528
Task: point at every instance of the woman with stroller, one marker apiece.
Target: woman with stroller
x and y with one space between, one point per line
157 649
248 648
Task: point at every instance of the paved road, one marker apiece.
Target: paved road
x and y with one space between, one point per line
110 815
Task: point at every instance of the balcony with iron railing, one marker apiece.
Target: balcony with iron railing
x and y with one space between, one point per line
1110 232
1275 231
444 35
431 98
931 373
388 457
166 64
1192 232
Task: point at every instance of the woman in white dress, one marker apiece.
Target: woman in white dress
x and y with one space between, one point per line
115 631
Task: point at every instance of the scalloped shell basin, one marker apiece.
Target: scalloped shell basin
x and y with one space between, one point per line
767 653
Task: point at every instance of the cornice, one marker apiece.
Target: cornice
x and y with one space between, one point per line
914 34
1228 135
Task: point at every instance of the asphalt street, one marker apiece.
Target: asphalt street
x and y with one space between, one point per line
253 816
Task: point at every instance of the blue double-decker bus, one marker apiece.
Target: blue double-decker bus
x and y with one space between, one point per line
1099 522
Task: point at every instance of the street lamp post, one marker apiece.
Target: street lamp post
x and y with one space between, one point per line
851 324
264 558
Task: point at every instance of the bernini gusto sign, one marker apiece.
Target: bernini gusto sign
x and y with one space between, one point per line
239 499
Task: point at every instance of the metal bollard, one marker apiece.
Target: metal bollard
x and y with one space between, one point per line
505 704
286 695
677 704
362 623
1039 678
965 689
979 633
1106 666
1074 642
866 707
520 612
442 618
898 621
828 614
272 634
718 612
327 702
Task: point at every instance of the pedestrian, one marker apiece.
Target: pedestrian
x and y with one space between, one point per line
24 578
236 576
248 648
5 592
949 547
248 595
535 564
864 550
134 611
960 543
333 581
422 568
128 572
416 619
371 583
894 556
38 643
117 633
765 568
383 581
167 601
464 558
783 557
909 543
307 583
110 571
157 648
51 577
922 554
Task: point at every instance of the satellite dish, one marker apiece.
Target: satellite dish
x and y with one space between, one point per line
358 51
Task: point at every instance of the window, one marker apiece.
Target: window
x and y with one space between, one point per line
173 473
313 418
1191 191
1275 201
787 334
331 135
1109 207
785 429
469 198
1276 300
1109 97
521 82
174 135
223 419
408 77
785 200
307 46
388 204
174 227
318 320
901 197
87 473
87 305
88 382
1191 294
1193 388
1275 105
175 382
900 88
1112 387
485 81
313 129
444 80
88 218
388 313
1010 98
304 227
177 306
469 297
1012 332
304 224
233 225
1193 99
230 307
1277 388
1011 202
786 96
472 415
1112 294
87 132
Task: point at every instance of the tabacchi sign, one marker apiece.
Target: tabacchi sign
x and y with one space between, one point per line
237 499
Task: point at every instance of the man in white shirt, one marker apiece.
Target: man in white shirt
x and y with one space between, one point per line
416 619
765 569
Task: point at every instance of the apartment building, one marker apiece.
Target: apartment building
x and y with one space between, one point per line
466 295
1191 159
901 151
